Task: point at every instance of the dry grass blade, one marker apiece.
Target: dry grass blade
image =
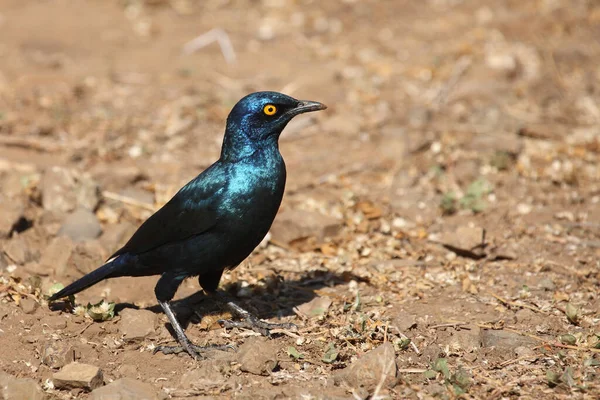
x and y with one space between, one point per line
515 304
214 35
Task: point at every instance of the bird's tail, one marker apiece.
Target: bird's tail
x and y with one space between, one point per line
109 270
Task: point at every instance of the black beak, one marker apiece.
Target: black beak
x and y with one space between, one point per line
305 106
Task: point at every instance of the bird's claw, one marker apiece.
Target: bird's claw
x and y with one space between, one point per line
255 324
192 349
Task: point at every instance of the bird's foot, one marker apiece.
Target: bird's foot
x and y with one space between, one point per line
195 351
251 322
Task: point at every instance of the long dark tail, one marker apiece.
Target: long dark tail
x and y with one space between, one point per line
111 269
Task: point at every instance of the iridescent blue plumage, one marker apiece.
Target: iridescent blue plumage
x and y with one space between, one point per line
215 221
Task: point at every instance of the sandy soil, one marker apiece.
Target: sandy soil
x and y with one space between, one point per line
440 233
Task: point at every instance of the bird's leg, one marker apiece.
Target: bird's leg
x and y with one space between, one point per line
249 321
184 343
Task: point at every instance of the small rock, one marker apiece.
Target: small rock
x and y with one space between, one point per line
404 321
29 305
86 257
64 190
506 63
125 389
467 339
81 225
542 328
31 338
515 60
57 354
55 257
505 251
369 369
77 375
50 221
11 211
316 307
522 351
17 250
257 356
137 324
12 388
524 209
546 284
465 241
292 225
504 339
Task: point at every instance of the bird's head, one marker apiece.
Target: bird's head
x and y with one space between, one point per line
258 119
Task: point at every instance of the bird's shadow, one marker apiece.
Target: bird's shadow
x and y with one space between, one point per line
276 299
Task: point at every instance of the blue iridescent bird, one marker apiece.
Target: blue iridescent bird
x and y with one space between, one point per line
215 221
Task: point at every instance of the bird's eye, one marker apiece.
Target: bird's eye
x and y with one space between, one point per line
270 109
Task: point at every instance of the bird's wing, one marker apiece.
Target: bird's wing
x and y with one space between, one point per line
192 211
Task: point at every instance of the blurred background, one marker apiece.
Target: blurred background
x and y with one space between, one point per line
454 177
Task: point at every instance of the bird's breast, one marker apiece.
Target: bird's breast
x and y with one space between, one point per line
254 189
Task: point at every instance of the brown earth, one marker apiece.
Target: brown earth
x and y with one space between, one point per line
450 195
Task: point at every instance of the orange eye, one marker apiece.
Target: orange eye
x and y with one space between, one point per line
270 109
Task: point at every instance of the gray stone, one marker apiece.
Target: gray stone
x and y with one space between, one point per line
258 356
81 225
64 190
137 324
316 307
546 284
17 250
86 257
522 351
55 257
466 339
465 241
404 321
504 339
125 389
77 375
370 368
12 388
57 354
28 305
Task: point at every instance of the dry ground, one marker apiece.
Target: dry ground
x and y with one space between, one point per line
450 194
